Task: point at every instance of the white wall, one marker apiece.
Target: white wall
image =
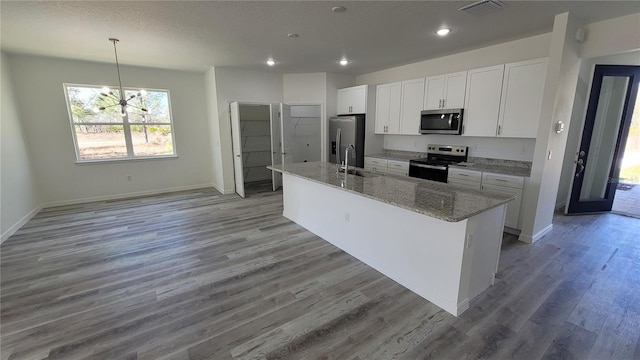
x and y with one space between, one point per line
561 82
496 148
612 36
501 148
242 86
304 88
211 95
512 51
45 120
578 114
19 196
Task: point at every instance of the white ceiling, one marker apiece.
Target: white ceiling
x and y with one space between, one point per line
195 35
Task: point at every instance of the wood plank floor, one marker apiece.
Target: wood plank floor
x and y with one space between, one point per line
199 275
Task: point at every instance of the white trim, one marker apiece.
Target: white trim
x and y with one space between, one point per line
126 195
223 191
531 239
12 230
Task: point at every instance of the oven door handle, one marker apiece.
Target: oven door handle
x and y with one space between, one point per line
434 167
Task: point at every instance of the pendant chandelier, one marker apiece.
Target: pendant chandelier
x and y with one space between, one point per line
122 100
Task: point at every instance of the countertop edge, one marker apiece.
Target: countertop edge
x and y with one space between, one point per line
403 206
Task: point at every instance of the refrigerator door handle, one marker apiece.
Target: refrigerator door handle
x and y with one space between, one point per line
338 147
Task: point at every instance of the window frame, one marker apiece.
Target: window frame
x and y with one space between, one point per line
126 125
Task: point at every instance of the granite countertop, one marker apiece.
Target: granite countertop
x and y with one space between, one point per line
397 157
439 200
494 168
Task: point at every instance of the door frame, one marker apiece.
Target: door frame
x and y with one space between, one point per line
574 205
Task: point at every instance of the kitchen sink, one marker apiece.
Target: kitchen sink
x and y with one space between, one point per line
364 174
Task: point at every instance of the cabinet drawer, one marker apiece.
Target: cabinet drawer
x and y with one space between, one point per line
375 162
511 181
396 171
463 174
465 183
398 165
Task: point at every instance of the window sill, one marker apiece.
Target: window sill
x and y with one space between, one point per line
111 161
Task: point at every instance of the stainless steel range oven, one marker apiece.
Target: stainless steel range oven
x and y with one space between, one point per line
436 165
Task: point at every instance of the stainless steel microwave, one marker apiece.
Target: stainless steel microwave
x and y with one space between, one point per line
441 121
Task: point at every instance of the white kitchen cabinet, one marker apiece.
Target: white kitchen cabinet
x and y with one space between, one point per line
498 183
398 167
352 100
482 101
522 90
445 91
388 108
411 106
375 164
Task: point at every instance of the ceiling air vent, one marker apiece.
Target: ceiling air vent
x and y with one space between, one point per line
482 7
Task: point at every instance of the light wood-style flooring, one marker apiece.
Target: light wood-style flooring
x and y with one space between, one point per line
199 275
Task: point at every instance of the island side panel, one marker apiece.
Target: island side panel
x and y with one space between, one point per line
423 254
482 253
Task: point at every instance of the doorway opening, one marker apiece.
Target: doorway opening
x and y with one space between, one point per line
627 197
604 139
271 134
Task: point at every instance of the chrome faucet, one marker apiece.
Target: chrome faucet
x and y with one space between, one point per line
345 167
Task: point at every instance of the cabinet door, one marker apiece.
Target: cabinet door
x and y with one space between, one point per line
482 101
359 99
388 108
383 100
395 98
455 85
513 207
433 92
344 101
412 100
522 90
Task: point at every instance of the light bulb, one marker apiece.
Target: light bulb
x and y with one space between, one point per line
143 92
344 62
105 90
271 62
443 31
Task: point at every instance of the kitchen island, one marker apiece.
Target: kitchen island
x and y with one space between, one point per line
439 241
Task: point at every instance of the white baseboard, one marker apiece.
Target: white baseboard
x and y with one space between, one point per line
537 236
12 230
126 195
224 191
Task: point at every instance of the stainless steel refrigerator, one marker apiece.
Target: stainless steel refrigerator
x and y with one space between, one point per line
344 131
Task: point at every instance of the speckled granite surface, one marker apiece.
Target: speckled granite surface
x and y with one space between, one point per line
438 200
498 166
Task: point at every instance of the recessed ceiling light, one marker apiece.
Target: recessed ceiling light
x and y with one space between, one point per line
338 9
344 62
271 62
293 35
443 31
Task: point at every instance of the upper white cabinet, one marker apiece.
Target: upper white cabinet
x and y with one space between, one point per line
522 90
352 100
411 106
482 101
445 91
388 108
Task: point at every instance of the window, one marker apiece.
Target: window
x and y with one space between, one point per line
111 135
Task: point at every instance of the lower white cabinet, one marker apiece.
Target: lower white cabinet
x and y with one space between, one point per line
398 167
376 164
394 167
498 183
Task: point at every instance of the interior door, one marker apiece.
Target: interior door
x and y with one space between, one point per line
236 139
611 103
286 128
276 145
